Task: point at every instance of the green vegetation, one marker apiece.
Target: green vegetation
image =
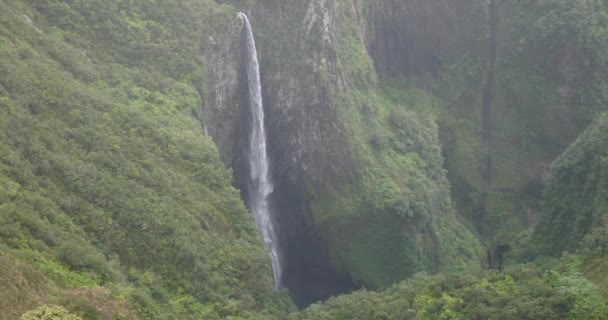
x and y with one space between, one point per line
381 201
521 292
114 205
576 206
576 198
550 81
49 313
107 182
594 255
401 188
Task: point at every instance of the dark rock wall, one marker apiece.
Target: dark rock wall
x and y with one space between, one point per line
313 56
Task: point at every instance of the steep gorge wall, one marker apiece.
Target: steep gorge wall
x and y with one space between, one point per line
300 123
506 110
306 141
361 191
417 37
576 197
223 106
336 137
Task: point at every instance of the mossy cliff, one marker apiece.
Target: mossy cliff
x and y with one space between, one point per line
514 83
541 99
404 136
361 189
355 93
576 198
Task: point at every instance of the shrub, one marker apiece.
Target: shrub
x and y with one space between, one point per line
49 313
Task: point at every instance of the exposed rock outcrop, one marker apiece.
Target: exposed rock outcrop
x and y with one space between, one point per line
223 107
359 184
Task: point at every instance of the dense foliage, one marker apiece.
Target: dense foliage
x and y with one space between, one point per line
49 313
593 253
106 178
113 203
576 198
521 292
550 81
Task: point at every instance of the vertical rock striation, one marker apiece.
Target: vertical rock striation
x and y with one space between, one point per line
353 210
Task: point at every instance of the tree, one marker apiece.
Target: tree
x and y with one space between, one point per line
49 313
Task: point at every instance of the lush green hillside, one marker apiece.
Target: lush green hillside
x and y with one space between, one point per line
576 206
115 205
576 198
109 189
521 292
549 80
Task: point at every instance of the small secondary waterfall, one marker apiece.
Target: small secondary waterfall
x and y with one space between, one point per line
205 127
260 184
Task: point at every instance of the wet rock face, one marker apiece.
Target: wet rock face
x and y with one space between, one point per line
299 73
223 108
304 140
407 38
305 77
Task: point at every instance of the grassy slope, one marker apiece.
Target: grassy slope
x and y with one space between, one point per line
106 179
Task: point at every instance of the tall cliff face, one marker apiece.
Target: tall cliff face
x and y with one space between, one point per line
417 37
301 125
513 91
222 107
353 89
360 187
114 204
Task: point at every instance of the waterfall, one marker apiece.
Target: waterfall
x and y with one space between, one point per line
205 127
260 182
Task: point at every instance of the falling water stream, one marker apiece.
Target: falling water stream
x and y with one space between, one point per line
260 184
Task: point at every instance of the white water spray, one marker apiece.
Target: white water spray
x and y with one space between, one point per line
260 184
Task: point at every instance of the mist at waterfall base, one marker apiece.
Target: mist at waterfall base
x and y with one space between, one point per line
260 184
